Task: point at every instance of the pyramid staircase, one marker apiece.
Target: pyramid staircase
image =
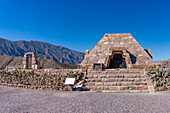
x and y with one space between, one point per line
119 80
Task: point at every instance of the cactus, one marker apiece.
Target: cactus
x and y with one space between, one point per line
160 78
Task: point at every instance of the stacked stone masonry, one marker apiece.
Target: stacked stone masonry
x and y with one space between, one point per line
133 55
117 81
26 62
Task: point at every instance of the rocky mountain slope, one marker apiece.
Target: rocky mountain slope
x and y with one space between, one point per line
165 64
42 49
44 63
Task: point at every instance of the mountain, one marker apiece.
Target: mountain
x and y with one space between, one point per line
44 63
165 64
157 61
43 50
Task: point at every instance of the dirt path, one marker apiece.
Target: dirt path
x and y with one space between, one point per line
42 101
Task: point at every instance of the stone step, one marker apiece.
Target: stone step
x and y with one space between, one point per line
115 80
124 91
115 76
114 83
102 88
118 71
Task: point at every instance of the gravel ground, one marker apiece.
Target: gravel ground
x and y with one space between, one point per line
42 101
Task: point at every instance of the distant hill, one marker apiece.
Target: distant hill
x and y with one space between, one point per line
44 63
42 49
165 64
157 61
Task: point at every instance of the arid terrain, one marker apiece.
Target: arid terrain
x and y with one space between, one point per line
44 63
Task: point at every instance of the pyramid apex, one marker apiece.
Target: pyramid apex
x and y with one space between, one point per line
118 34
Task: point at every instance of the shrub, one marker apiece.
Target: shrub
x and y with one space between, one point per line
160 79
77 75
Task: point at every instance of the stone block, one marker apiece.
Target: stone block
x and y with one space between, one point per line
127 76
119 76
110 83
99 84
90 76
106 88
98 80
93 88
92 80
121 79
100 87
144 91
104 72
90 84
130 88
118 83
101 76
141 87
95 76
111 80
112 88
131 79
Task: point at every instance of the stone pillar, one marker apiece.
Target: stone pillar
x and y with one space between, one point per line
26 61
87 52
34 61
107 61
128 61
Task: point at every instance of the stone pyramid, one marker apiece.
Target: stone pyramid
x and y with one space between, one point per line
133 55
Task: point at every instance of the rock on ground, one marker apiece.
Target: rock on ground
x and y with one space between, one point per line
20 100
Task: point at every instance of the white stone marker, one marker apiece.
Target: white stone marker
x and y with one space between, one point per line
70 81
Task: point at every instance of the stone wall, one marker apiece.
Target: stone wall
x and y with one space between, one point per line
39 79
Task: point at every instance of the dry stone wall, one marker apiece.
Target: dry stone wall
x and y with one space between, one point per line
39 79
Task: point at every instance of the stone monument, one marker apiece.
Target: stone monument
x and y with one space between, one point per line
34 62
119 50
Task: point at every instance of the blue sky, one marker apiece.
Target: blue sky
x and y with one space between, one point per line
80 24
